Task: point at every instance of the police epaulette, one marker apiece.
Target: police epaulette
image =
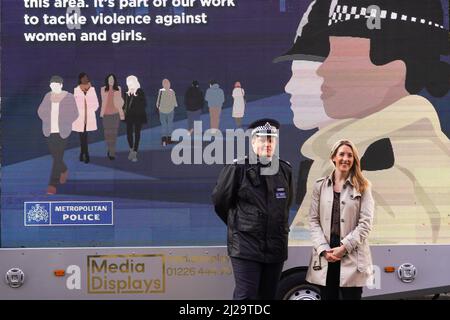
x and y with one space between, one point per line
287 162
236 161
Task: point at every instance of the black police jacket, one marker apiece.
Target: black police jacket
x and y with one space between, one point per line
255 208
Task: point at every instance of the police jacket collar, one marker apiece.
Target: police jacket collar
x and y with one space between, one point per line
263 161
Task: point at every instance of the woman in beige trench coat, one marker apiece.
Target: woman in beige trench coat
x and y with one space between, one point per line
341 216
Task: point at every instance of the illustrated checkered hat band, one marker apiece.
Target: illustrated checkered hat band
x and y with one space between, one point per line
265 130
342 13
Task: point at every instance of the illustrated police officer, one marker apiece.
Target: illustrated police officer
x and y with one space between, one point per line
255 207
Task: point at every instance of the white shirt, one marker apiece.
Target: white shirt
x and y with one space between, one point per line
54 125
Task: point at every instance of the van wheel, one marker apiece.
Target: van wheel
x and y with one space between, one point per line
295 287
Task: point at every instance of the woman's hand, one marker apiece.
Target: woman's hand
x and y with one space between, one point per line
339 252
330 257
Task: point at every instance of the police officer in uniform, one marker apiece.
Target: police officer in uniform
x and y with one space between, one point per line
255 207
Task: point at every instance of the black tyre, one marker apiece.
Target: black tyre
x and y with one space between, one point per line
295 287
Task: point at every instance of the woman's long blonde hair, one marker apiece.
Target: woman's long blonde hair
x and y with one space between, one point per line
133 85
357 178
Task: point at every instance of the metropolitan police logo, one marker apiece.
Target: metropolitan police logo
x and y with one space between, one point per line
37 214
68 213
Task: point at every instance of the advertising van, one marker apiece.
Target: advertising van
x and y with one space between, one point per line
110 151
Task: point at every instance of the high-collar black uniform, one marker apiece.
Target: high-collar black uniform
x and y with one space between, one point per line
255 208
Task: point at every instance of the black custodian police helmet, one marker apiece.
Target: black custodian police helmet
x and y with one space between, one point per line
311 40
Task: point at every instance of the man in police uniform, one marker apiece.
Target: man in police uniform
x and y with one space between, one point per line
255 207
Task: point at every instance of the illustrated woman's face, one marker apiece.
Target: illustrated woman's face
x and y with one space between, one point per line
343 160
56 87
353 87
111 80
304 88
264 146
85 80
166 84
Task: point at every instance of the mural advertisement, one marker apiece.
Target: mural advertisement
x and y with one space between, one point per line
118 115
